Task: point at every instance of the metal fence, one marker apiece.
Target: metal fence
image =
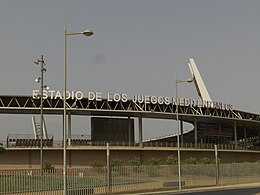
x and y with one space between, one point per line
49 143
122 179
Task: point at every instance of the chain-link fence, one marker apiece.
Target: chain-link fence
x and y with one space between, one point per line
119 179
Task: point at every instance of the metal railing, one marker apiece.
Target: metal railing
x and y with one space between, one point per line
86 143
95 180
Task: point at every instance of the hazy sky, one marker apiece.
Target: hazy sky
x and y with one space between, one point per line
139 47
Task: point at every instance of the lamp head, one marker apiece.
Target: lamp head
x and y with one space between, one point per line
46 87
87 32
37 80
43 69
36 62
190 80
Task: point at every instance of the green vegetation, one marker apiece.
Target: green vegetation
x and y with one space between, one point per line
2 149
153 162
136 162
117 166
191 161
116 163
48 167
172 160
207 161
152 168
97 166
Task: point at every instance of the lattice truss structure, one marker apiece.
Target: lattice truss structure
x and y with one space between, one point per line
28 105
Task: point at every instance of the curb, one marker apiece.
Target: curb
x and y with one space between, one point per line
200 189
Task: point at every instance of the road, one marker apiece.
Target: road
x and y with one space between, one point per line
243 191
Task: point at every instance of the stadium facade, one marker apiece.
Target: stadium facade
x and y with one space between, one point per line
213 122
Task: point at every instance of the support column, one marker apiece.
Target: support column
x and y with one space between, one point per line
182 133
245 138
140 123
258 134
196 132
235 134
62 132
129 131
69 129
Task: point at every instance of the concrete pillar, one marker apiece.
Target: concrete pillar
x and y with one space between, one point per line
196 132
182 133
235 133
140 124
69 129
129 131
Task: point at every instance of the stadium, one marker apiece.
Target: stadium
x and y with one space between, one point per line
235 133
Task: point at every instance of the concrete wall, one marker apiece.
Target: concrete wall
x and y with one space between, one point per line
30 158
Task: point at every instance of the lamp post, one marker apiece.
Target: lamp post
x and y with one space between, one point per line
40 79
86 33
178 128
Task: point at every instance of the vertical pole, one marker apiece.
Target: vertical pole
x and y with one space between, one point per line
64 105
178 135
217 168
69 129
235 134
41 153
181 133
140 131
196 132
68 153
129 131
258 134
64 114
108 170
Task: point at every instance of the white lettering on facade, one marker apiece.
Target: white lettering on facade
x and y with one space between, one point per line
58 95
124 97
116 97
79 95
98 96
139 99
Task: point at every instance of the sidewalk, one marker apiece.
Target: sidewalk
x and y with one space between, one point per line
200 189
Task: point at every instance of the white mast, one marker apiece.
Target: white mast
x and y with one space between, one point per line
199 84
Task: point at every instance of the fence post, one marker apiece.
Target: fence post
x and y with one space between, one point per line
217 168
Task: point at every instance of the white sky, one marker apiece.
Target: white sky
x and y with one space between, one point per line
139 47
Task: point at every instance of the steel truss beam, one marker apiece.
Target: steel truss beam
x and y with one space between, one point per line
28 105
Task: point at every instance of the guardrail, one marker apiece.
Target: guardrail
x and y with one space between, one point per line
87 143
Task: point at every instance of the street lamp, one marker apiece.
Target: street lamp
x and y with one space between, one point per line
40 79
178 128
86 33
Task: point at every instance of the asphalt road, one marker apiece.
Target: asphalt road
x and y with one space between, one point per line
243 191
